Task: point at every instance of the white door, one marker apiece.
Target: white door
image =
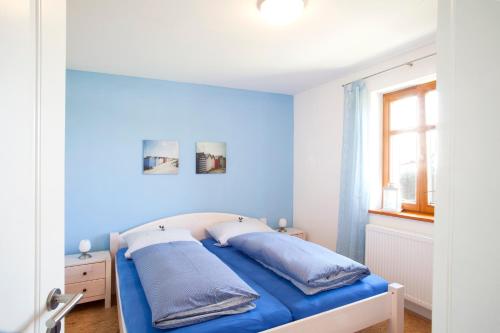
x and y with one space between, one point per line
466 232
32 90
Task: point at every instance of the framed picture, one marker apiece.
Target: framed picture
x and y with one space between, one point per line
160 157
211 157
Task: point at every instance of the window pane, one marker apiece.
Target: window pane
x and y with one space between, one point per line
404 113
403 164
431 108
431 165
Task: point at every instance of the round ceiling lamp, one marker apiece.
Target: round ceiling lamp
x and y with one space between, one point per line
281 12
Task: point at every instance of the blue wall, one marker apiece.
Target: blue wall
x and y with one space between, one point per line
108 116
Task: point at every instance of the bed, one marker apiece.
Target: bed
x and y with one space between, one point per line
281 309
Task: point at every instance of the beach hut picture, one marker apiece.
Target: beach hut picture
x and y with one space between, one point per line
210 157
160 157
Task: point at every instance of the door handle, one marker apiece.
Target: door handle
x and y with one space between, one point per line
53 300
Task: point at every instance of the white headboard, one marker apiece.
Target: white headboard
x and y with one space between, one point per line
196 222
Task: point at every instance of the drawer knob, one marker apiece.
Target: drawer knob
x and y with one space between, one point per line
84 290
84 273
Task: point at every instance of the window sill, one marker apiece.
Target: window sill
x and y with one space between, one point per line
405 215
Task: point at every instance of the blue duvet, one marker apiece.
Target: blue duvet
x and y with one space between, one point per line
185 284
299 304
310 267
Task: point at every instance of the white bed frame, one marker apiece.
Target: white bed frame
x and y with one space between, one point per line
346 319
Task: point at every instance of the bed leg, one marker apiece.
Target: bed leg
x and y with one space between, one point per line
114 246
396 323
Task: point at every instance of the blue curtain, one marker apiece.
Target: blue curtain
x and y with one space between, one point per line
354 189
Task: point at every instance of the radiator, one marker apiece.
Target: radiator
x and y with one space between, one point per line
402 257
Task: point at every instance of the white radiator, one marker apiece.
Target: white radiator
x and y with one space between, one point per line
402 257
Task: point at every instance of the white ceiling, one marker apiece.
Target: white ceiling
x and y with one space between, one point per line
227 43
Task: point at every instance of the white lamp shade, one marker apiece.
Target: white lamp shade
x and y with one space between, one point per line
282 222
84 246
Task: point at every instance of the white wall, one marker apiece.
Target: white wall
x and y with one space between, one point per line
318 116
466 237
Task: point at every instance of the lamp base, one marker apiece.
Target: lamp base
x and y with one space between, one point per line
84 256
282 229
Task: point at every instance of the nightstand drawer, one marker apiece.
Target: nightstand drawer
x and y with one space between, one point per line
301 235
88 288
87 272
295 232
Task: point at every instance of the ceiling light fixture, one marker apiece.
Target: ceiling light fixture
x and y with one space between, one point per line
281 12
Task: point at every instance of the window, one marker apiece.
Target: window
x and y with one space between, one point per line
409 147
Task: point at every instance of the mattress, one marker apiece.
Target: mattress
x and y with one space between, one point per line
299 304
269 312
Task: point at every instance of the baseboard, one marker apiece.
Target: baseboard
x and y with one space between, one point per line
424 312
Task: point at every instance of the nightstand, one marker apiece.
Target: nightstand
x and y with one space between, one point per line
296 233
90 276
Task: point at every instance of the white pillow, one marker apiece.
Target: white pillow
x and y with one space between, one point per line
221 232
140 239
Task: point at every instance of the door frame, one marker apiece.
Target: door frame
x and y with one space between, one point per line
50 151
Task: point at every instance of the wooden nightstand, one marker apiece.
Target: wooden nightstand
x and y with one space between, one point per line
91 276
296 233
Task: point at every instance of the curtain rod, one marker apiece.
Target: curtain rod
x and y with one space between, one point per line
408 63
